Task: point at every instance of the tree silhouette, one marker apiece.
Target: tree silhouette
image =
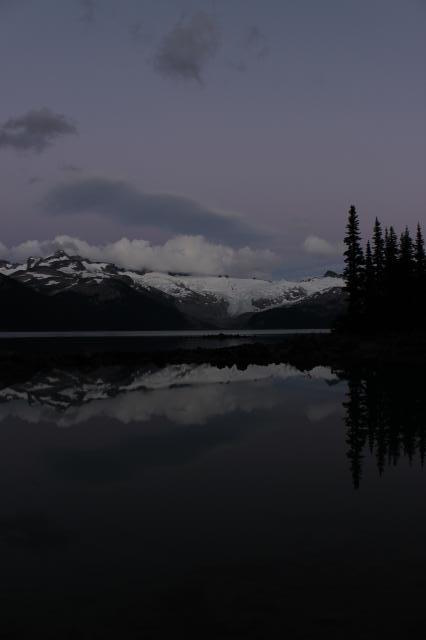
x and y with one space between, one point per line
419 254
378 251
385 414
354 263
405 279
370 289
386 289
356 427
391 255
420 276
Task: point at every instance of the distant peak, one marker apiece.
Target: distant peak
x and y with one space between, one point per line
331 274
32 262
61 255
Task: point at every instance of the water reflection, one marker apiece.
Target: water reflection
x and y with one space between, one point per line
384 411
211 499
385 415
184 394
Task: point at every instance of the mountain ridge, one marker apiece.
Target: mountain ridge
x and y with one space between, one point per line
77 283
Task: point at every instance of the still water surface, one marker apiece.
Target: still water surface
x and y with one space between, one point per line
256 503
158 334
140 341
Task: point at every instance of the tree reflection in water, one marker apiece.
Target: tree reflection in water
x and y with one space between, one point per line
384 409
385 414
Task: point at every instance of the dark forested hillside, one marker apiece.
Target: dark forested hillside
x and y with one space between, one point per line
318 312
108 307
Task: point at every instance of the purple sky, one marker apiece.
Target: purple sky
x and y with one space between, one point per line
250 123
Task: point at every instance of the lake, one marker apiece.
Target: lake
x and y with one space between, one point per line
222 502
141 341
205 333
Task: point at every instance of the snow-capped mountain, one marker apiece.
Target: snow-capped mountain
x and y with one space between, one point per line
212 298
58 271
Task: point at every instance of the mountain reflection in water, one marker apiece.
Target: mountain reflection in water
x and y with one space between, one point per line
384 414
213 502
185 394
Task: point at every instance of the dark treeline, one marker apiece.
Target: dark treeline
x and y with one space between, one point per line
385 279
385 416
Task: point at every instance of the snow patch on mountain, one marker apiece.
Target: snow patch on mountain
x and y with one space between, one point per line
237 295
242 295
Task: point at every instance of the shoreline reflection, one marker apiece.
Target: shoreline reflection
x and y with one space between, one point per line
384 412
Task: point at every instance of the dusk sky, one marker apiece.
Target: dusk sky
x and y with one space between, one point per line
250 123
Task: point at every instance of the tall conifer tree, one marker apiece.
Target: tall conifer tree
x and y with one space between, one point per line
354 265
378 250
419 292
406 255
370 287
386 288
391 254
407 315
419 254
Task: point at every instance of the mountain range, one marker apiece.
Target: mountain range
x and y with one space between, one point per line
68 292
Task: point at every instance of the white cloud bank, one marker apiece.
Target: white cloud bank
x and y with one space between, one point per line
182 254
315 245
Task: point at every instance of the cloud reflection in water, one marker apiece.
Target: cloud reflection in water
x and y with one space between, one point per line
184 394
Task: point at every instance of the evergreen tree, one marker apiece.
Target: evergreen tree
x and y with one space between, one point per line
386 288
370 288
406 256
378 250
391 252
354 266
419 254
391 264
390 275
378 258
406 312
419 279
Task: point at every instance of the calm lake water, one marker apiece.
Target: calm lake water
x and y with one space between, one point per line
158 334
143 341
263 503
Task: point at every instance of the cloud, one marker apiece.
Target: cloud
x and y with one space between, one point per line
256 42
323 410
140 34
181 254
10 4
88 11
34 180
71 168
186 50
254 45
35 130
238 65
121 201
321 247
